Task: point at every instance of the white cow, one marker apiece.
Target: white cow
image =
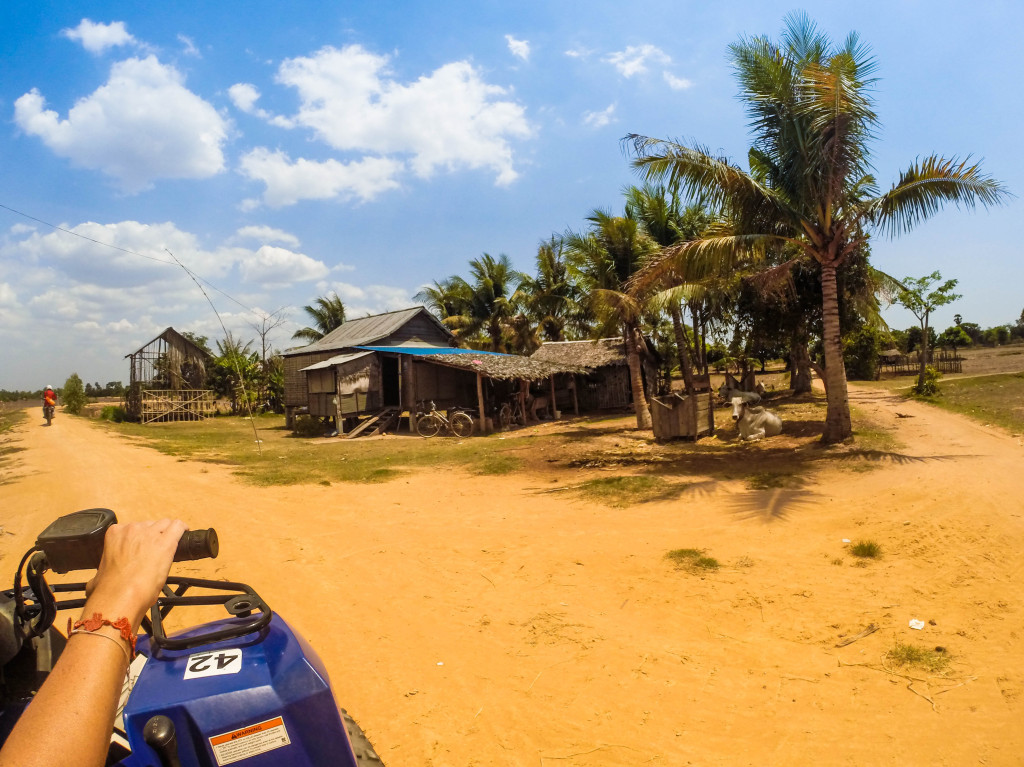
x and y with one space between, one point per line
754 422
728 395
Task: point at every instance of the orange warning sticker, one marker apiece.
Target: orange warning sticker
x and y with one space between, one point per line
231 747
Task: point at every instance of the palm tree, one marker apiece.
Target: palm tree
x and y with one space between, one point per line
810 183
551 298
603 260
449 300
327 313
667 222
492 303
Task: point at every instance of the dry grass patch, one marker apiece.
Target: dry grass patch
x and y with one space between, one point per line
624 491
692 560
901 656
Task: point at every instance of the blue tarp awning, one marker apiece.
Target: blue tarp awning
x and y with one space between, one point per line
424 350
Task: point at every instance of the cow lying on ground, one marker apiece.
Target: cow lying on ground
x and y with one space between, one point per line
754 422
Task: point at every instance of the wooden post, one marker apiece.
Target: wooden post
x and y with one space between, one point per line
480 403
524 387
554 403
411 390
575 402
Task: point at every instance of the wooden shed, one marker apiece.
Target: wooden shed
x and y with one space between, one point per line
605 383
167 380
377 378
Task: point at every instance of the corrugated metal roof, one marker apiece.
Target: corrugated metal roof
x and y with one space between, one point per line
365 330
424 350
341 359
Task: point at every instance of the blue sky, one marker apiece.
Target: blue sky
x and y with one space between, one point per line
285 150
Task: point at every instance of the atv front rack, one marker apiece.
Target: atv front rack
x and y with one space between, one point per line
239 599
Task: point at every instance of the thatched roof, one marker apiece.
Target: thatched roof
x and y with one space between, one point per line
502 366
583 354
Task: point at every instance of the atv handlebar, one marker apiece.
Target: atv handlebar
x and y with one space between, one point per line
75 541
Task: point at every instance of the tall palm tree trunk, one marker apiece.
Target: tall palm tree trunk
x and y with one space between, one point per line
684 348
799 362
643 414
837 418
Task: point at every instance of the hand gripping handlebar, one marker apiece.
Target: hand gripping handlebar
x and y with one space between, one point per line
75 541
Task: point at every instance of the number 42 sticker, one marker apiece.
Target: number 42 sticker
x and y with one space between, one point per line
213 663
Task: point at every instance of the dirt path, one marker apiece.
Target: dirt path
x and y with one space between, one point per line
481 621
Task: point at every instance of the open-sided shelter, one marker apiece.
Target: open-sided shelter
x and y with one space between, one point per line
604 383
167 380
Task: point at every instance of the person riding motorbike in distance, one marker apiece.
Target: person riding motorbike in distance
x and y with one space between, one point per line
49 401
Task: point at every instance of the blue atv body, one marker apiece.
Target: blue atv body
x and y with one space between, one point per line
264 699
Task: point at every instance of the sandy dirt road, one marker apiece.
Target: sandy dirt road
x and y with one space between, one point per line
484 621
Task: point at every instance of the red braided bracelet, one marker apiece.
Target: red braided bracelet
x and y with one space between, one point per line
97 620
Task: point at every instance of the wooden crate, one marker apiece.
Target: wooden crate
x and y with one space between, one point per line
677 415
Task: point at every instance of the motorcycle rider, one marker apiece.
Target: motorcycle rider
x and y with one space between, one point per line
49 398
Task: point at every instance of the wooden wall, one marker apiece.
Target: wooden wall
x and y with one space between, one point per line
446 386
295 391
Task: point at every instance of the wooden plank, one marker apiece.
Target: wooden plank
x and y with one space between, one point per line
480 404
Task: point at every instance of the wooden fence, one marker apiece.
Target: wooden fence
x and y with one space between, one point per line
176 405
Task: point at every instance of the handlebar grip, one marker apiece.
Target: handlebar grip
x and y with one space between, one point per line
197 544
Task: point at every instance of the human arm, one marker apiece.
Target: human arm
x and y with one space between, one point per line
69 721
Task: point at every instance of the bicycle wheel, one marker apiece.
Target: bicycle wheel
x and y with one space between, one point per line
505 415
428 426
462 425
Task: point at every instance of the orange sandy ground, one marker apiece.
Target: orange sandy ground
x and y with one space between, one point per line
482 621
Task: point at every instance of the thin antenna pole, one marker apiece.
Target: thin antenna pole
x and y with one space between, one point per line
238 370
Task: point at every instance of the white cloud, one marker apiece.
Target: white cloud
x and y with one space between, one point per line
372 299
143 124
518 48
188 46
289 182
7 295
267 234
244 96
450 118
271 265
97 37
634 60
677 83
22 228
599 119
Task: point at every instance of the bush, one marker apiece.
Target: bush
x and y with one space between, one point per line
308 426
930 387
73 395
860 352
114 413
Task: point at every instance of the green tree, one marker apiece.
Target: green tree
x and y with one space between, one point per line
551 298
667 222
449 300
73 394
327 313
955 337
603 260
236 372
921 296
812 115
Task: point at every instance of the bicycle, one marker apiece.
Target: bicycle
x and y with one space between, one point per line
429 424
511 411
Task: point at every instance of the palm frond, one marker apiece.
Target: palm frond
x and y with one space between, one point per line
927 185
